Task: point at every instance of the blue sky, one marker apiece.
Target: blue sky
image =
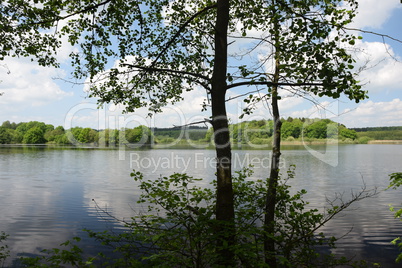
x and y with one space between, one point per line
42 94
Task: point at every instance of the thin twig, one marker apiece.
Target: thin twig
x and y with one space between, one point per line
374 33
206 120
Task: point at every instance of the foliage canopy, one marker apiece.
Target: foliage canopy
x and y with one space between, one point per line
147 53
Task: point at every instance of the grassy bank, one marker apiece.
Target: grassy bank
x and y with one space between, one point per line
385 142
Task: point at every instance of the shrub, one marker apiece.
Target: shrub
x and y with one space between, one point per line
364 140
178 227
290 138
4 252
395 182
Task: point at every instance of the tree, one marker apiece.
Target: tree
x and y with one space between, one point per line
8 124
109 137
303 59
316 130
347 133
140 135
34 136
5 137
49 127
55 135
332 130
22 128
154 45
291 128
38 124
84 135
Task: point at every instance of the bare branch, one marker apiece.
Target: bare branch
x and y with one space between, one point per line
182 27
271 84
259 39
206 120
107 213
374 33
88 8
153 69
242 95
336 209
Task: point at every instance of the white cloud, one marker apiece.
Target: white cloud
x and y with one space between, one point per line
287 104
384 71
63 53
262 110
366 114
27 84
192 102
89 114
374 13
86 114
324 109
374 114
184 112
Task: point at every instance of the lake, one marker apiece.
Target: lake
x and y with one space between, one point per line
47 193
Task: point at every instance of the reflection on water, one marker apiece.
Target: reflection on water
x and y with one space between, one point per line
46 193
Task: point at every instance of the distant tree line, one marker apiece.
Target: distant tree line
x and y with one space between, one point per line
35 132
159 129
261 131
381 134
366 129
255 132
189 132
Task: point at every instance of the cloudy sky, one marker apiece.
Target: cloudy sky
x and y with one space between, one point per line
41 94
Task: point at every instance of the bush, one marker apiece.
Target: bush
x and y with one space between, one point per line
178 227
348 141
290 138
260 141
345 133
364 140
4 252
396 182
34 136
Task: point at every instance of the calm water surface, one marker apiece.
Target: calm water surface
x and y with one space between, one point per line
46 194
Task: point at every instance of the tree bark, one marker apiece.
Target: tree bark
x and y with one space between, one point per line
224 192
271 200
269 221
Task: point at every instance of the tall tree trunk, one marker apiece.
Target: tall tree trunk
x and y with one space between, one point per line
224 191
270 205
269 221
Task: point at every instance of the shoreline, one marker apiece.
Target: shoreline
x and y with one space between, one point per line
209 146
320 142
385 142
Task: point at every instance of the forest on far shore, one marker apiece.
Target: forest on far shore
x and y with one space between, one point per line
249 132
